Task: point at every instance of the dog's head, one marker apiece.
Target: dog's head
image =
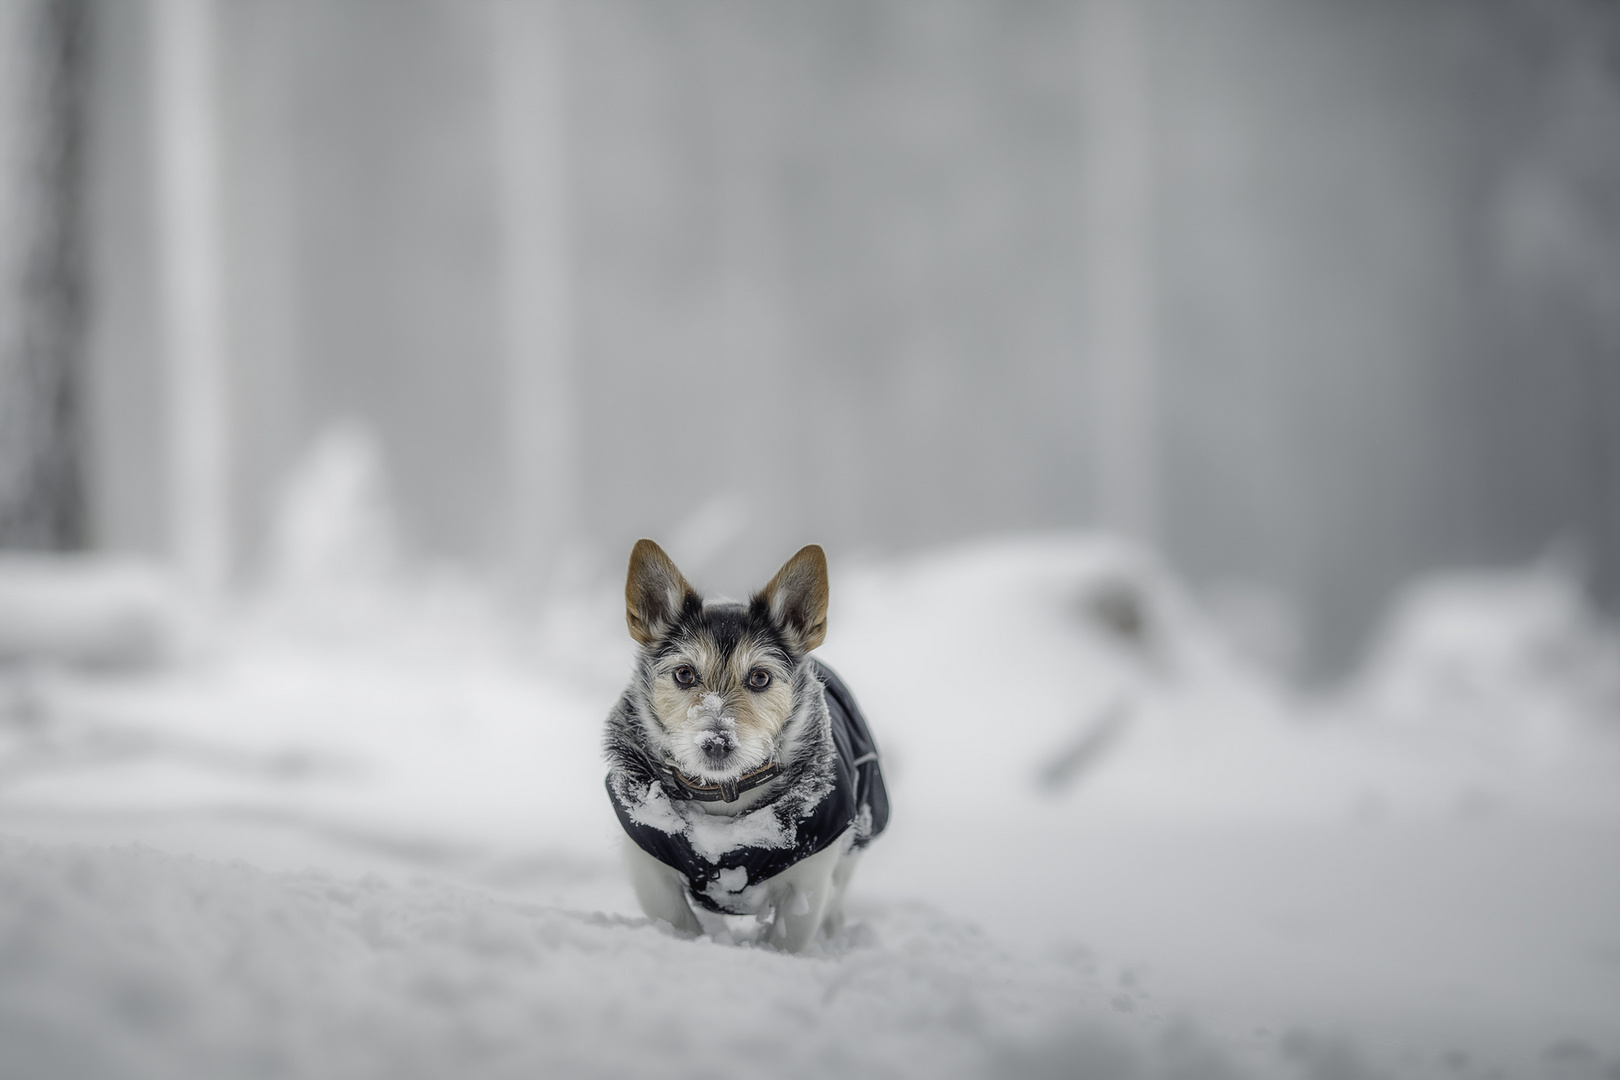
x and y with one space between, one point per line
720 678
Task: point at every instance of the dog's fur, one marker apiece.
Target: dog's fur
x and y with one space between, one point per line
721 689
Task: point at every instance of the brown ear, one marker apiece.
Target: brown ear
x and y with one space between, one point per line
797 597
654 592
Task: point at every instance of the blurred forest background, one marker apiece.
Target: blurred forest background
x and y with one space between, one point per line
1310 296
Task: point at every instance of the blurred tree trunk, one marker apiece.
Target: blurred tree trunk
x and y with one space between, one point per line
192 272
43 71
1119 275
537 289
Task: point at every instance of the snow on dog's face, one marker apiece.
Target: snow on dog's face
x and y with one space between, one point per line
720 676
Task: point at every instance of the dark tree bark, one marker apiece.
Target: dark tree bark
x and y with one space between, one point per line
42 291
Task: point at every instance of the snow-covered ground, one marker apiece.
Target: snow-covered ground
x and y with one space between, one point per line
355 827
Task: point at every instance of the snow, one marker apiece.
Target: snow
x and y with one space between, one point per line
127 962
733 880
648 805
364 833
84 610
711 835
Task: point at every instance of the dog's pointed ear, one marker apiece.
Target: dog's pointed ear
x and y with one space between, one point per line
654 592
797 597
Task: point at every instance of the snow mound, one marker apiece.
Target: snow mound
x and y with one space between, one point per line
1518 659
334 525
1508 681
86 610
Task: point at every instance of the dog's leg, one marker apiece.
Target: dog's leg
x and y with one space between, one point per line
833 920
801 893
660 889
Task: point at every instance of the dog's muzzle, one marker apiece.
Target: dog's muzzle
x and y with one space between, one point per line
716 745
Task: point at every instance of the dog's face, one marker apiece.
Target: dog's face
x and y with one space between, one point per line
720 676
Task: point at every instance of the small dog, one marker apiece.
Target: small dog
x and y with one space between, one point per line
741 770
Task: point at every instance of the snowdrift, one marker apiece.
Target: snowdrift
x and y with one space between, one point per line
1117 849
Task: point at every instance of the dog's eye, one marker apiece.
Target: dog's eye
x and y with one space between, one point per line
759 679
684 675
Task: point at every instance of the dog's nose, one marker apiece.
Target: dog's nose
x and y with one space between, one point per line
717 745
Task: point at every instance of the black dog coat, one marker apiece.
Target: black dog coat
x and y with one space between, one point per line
856 799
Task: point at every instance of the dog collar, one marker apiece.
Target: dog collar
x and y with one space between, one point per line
686 787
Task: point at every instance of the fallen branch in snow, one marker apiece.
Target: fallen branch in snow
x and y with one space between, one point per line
1095 739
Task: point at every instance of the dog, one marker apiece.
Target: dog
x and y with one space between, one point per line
741 769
